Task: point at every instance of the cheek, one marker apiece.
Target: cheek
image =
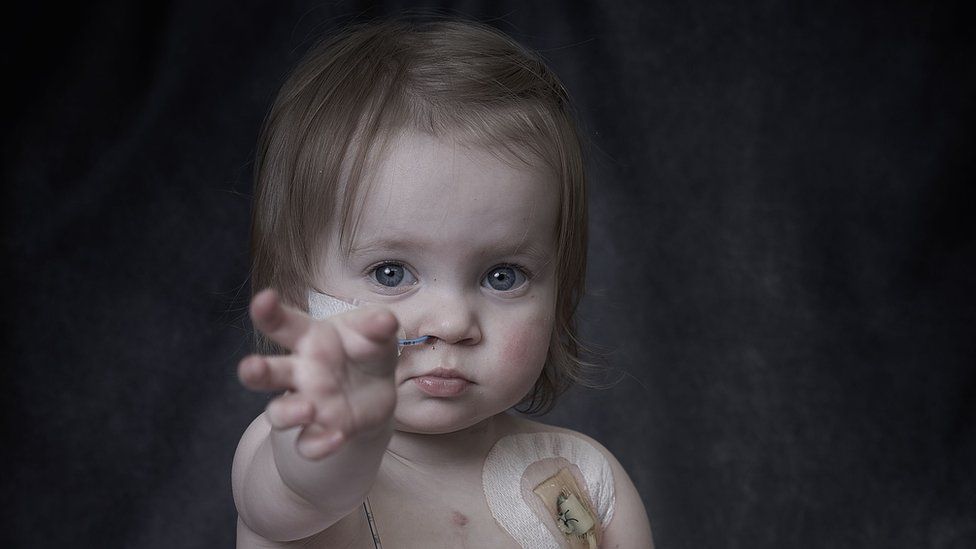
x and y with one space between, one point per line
526 345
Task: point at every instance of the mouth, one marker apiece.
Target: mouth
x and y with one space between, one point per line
442 382
444 373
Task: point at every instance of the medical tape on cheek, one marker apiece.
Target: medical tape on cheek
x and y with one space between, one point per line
502 481
321 306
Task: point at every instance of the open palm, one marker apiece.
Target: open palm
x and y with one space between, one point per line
338 378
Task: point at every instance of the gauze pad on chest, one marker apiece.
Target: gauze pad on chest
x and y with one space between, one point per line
502 480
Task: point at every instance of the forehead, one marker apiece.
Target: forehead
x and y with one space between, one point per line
436 191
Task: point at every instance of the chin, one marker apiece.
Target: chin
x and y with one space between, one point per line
432 418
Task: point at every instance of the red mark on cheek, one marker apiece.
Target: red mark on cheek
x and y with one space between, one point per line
459 519
514 345
524 346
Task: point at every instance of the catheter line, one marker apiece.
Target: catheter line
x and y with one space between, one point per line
414 341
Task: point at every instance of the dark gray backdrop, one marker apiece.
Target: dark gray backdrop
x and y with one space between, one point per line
782 262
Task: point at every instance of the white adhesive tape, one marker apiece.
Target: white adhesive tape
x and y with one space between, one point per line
323 305
502 481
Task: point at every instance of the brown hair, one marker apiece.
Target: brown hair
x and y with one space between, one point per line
339 107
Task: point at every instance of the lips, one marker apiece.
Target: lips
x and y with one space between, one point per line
445 373
442 382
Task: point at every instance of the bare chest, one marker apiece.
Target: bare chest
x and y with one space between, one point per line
444 516
430 509
450 513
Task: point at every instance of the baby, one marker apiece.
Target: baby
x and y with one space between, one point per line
420 214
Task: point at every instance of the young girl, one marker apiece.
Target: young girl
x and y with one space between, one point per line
420 193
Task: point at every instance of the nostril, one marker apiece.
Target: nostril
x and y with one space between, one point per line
432 341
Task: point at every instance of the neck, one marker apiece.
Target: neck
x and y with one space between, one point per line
462 449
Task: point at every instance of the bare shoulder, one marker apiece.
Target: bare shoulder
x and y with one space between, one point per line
252 438
629 527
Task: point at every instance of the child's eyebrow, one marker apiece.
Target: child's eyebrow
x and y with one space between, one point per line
523 249
383 244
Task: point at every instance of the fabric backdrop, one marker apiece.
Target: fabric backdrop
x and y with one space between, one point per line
781 277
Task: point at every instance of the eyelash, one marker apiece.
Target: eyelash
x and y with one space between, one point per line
529 275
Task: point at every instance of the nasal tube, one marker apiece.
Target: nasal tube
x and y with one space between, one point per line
321 305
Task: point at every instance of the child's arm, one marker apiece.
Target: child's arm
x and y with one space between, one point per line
312 457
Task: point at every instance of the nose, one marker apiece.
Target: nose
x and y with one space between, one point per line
450 317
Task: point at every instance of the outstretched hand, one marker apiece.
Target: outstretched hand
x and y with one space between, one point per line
338 377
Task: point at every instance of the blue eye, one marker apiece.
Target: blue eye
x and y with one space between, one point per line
391 274
505 277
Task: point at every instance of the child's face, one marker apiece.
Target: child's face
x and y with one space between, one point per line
460 246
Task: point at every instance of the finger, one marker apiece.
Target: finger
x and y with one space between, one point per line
374 323
267 373
368 334
283 324
316 442
290 410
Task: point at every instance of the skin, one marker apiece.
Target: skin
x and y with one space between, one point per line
457 214
471 241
